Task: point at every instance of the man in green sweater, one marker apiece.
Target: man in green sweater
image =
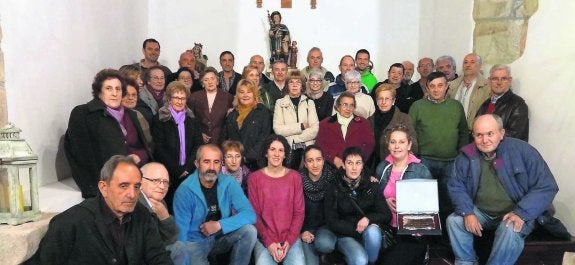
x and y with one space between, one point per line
442 130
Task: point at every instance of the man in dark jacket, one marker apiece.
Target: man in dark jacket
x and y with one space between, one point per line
506 104
499 183
112 228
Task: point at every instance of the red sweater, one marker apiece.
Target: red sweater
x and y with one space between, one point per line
279 206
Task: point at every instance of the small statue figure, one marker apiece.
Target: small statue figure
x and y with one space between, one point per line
279 38
201 60
292 61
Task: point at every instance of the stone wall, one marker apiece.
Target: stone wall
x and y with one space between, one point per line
3 104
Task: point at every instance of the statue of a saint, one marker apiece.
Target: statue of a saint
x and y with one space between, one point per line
201 59
279 38
292 61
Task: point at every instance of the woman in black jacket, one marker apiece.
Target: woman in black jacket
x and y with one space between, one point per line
250 122
173 125
355 211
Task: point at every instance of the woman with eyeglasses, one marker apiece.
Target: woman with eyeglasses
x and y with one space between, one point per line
343 130
295 118
400 163
386 116
211 105
364 107
177 136
233 162
355 211
315 90
102 128
276 194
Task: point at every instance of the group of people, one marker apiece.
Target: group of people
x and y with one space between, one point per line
295 167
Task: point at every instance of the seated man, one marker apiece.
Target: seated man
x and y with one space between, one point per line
111 228
499 183
155 183
212 213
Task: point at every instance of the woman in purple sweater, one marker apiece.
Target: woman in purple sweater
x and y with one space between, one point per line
276 194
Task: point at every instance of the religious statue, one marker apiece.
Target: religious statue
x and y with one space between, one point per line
201 59
279 38
292 60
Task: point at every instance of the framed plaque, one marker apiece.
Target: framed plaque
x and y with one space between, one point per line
417 207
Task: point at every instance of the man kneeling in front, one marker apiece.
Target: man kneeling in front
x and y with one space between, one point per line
499 183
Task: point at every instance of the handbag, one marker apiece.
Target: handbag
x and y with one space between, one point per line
388 238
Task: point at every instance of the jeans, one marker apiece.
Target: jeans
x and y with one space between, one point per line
355 253
507 245
240 242
294 256
442 171
324 242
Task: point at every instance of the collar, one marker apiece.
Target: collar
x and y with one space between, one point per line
109 216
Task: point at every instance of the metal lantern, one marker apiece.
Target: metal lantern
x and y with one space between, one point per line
18 178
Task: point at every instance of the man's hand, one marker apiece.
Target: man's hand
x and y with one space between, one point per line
472 225
511 217
307 237
210 227
362 225
278 251
159 208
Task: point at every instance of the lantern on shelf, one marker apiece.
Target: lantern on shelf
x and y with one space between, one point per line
18 178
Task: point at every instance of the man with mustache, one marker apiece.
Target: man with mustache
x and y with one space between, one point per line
111 228
212 213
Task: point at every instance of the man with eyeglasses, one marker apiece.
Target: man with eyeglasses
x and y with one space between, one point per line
471 89
499 183
509 106
212 213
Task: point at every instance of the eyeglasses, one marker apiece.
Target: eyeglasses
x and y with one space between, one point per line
157 78
502 79
233 157
355 83
178 99
384 99
315 81
347 105
157 182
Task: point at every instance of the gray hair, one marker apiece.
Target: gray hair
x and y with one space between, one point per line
209 146
496 117
447 58
110 166
316 73
500 67
351 75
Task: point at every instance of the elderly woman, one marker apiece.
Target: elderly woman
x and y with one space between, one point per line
355 211
276 194
250 122
153 92
100 129
315 90
316 178
185 76
130 101
177 136
386 116
343 130
295 118
133 72
400 164
364 107
211 105
233 162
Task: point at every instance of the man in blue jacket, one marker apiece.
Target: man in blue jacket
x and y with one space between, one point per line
499 183
212 213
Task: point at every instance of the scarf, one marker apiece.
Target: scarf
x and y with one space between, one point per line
344 122
118 115
179 118
315 190
315 95
158 96
243 113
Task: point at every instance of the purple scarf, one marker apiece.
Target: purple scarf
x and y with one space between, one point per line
118 114
179 118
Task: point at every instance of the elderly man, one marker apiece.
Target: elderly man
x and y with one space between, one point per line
499 183
187 60
417 89
314 61
258 61
112 228
408 69
510 107
441 130
362 61
364 103
212 212
275 90
446 64
228 78
151 51
471 89
346 64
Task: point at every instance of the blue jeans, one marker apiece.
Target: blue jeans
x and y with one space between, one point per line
324 242
294 256
442 171
507 245
240 242
355 253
